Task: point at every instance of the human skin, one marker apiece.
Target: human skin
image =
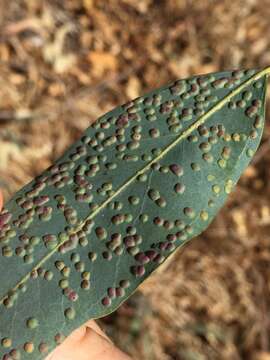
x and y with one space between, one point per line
88 342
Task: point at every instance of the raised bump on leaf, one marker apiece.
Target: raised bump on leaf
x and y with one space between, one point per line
143 180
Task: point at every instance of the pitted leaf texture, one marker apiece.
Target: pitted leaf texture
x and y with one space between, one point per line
143 180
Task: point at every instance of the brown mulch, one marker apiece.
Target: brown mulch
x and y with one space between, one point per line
64 63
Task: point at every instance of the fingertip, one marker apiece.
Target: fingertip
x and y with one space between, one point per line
93 325
100 348
91 345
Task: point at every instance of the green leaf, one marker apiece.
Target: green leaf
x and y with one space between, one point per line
143 180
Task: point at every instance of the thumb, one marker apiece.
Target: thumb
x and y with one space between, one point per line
92 345
99 348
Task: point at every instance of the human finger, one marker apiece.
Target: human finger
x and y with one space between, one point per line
91 345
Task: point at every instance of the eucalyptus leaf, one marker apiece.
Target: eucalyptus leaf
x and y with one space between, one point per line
143 180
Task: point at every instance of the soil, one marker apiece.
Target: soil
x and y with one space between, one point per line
63 64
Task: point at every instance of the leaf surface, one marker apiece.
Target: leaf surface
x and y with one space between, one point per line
143 180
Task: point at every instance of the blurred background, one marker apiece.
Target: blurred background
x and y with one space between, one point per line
63 63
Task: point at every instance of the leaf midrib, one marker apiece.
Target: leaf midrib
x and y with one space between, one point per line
201 120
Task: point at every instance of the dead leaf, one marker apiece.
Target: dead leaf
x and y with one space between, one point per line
133 87
7 151
102 62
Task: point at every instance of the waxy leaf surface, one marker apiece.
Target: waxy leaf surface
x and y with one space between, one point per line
143 180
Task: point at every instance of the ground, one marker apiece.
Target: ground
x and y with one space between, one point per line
64 63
